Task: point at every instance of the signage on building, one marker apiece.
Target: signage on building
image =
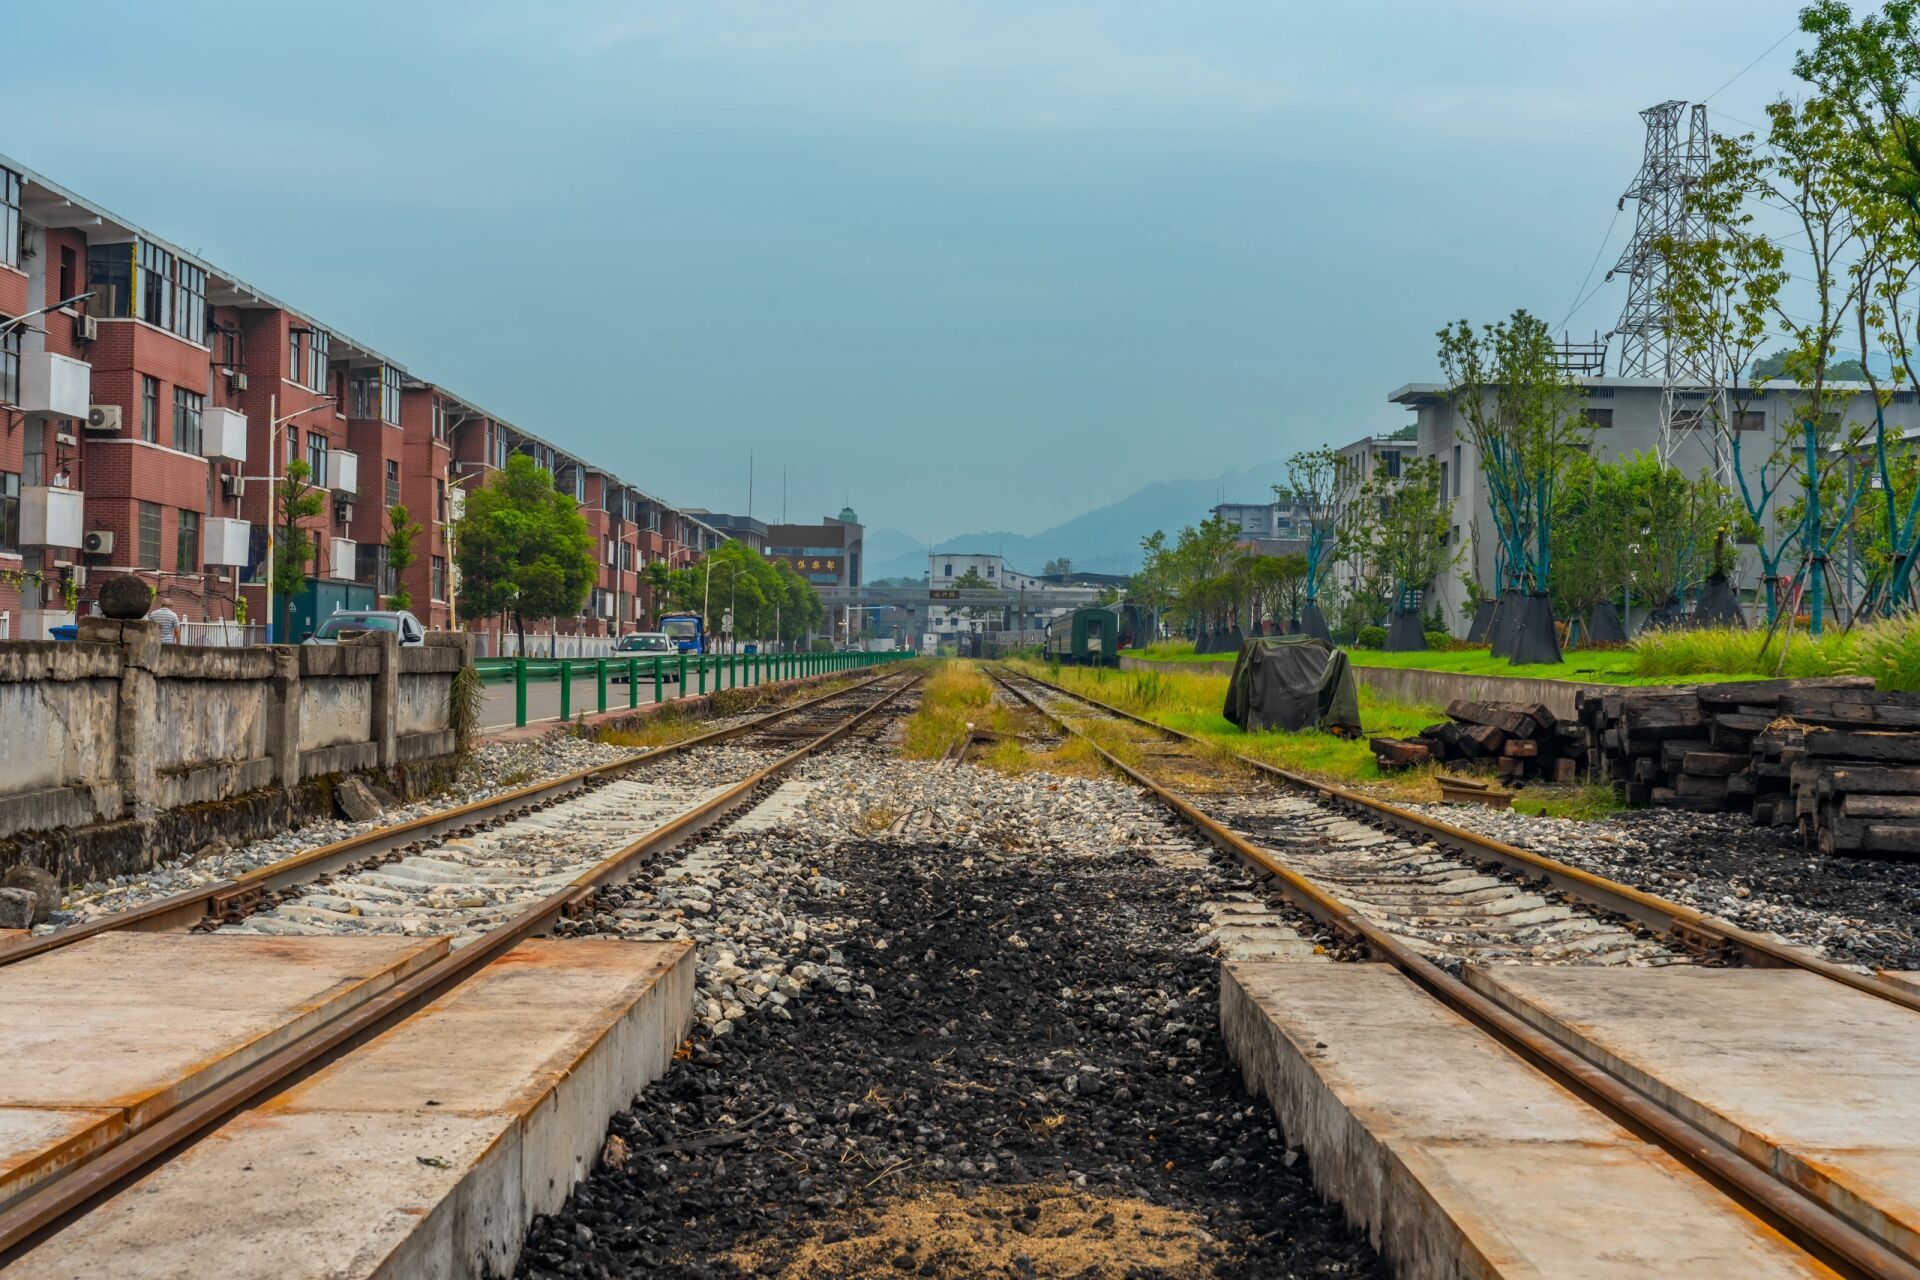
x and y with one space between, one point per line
811 564
940 593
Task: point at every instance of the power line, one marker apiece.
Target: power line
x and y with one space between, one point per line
1751 65
1597 255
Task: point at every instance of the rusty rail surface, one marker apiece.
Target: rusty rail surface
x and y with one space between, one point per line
1809 1224
210 902
47 1208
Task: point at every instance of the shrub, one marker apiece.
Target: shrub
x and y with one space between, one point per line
1370 638
1441 640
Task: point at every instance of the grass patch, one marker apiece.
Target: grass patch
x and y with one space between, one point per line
662 728
1588 802
1591 666
957 695
1888 650
1178 651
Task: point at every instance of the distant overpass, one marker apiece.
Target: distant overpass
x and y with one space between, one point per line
920 597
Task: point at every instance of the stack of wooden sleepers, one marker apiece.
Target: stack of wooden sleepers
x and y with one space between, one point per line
1523 739
1834 757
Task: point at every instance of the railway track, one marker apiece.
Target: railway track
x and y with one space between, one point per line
464 842
1392 886
606 825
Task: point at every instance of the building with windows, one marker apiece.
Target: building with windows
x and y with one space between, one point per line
1625 414
944 570
827 554
1277 528
150 401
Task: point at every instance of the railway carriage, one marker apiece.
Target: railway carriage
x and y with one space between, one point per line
1085 638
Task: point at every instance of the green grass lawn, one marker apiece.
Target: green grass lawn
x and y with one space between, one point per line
1593 666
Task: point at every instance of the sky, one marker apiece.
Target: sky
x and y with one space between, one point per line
965 267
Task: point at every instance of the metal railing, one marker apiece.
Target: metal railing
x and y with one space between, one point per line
724 670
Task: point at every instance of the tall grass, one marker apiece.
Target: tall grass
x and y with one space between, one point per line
1888 650
955 695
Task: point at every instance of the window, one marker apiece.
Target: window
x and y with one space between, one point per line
293 353
1456 471
1391 461
319 356
1600 393
293 443
317 457
186 546
154 285
10 366
1444 490
150 409
948 573
149 535
370 565
1600 419
69 273
393 482
9 218
361 389
1750 420
110 277
439 418
389 396
439 500
9 513
990 569
438 586
187 407
190 303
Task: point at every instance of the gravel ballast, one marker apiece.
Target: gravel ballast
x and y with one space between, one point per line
981 1051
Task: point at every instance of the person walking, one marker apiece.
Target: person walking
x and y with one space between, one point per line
169 622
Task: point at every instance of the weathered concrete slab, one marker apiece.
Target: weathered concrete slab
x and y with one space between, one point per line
1809 1078
1459 1159
1906 979
427 1152
129 1025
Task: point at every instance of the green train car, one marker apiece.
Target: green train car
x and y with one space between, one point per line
1085 638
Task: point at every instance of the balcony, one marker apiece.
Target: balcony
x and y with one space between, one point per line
341 557
51 517
58 386
343 471
223 541
223 434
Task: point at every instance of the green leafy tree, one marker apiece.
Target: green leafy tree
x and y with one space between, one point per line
1316 483
523 548
297 500
972 581
403 534
1402 525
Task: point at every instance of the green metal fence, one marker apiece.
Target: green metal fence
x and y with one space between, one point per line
722 670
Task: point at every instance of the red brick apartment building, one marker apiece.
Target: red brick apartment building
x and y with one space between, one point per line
143 424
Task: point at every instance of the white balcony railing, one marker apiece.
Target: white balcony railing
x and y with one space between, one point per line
343 471
57 385
223 434
51 516
223 541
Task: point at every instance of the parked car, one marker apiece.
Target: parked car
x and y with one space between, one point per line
340 625
647 645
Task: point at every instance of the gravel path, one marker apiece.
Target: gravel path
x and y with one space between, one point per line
1859 911
986 1044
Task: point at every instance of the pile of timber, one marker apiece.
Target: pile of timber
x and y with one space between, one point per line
1695 746
1522 739
1850 760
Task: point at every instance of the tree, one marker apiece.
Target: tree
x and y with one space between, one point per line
1316 483
972 581
767 598
1402 524
1061 568
293 548
402 533
523 548
1525 416
1774 365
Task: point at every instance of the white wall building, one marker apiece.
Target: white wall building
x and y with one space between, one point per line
945 570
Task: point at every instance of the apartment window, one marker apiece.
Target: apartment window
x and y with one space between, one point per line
10 366
155 285
1391 461
439 418
438 585
319 356
110 278
150 409
9 218
1600 419
186 547
1750 420
187 408
1456 471
371 566
390 396
990 569
317 457
149 535
393 482
362 389
69 273
948 573
1444 490
293 443
190 303
9 513
439 500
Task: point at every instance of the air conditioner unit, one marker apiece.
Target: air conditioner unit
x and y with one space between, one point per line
98 542
86 329
104 418
343 512
237 380
233 487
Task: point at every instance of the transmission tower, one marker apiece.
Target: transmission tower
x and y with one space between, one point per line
1675 161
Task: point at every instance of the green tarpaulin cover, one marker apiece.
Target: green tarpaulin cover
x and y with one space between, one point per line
1291 683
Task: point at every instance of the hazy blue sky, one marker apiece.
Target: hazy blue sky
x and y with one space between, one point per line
967 267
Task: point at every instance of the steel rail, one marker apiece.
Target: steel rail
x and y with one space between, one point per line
47 1208
1693 930
181 911
1809 1224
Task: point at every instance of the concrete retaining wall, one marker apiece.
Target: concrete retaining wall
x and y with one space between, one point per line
117 734
1434 688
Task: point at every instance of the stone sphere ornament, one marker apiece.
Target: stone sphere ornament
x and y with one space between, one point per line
125 597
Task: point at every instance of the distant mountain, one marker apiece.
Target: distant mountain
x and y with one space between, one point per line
1104 540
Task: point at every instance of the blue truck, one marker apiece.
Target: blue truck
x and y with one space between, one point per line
688 631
